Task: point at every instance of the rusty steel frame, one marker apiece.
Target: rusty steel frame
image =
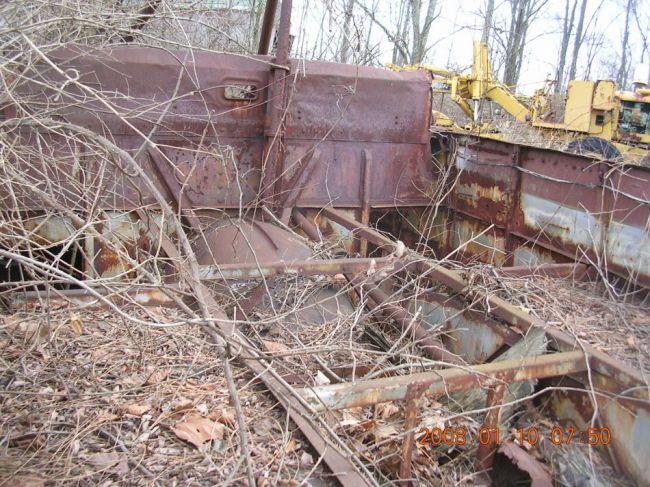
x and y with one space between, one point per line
627 388
430 345
360 230
445 381
611 377
267 27
500 308
274 147
298 268
486 450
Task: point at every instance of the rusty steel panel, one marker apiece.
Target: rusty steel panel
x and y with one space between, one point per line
140 82
402 174
627 419
548 206
213 145
483 187
465 332
351 103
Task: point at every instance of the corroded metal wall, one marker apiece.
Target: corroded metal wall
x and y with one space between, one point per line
548 206
352 137
214 144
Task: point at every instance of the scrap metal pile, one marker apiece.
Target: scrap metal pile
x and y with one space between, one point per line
244 269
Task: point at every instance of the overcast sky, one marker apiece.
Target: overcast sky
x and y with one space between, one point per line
459 24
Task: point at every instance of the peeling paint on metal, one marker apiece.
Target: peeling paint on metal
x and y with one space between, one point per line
629 247
567 224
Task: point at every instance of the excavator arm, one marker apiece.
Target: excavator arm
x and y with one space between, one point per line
505 99
479 85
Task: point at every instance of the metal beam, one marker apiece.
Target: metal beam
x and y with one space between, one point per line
327 267
273 156
267 26
620 376
426 340
445 381
487 450
360 230
431 345
571 269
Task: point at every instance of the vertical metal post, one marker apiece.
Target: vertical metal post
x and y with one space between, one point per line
274 130
267 27
365 196
413 395
487 447
514 199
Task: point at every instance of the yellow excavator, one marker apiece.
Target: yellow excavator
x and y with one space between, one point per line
597 119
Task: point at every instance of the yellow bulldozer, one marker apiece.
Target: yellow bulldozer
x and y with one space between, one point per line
597 119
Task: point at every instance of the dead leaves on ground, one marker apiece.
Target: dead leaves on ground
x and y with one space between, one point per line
275 347
75 324
22 481
376 426
112 462
137 409
156 376
197 430
31 333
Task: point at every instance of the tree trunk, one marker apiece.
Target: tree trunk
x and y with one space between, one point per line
487 24
621 77
567 29
421 35
518 24
402 32
346 48
522 13
577 42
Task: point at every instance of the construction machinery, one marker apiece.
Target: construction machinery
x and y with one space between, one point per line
597 117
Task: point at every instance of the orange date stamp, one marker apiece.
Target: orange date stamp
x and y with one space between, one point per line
460 436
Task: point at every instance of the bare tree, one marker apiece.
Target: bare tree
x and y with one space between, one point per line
577 41
421 30
522 14
345 51
624 66
595 42
400 55
643 25
487 23
567 30
410 34
255 19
